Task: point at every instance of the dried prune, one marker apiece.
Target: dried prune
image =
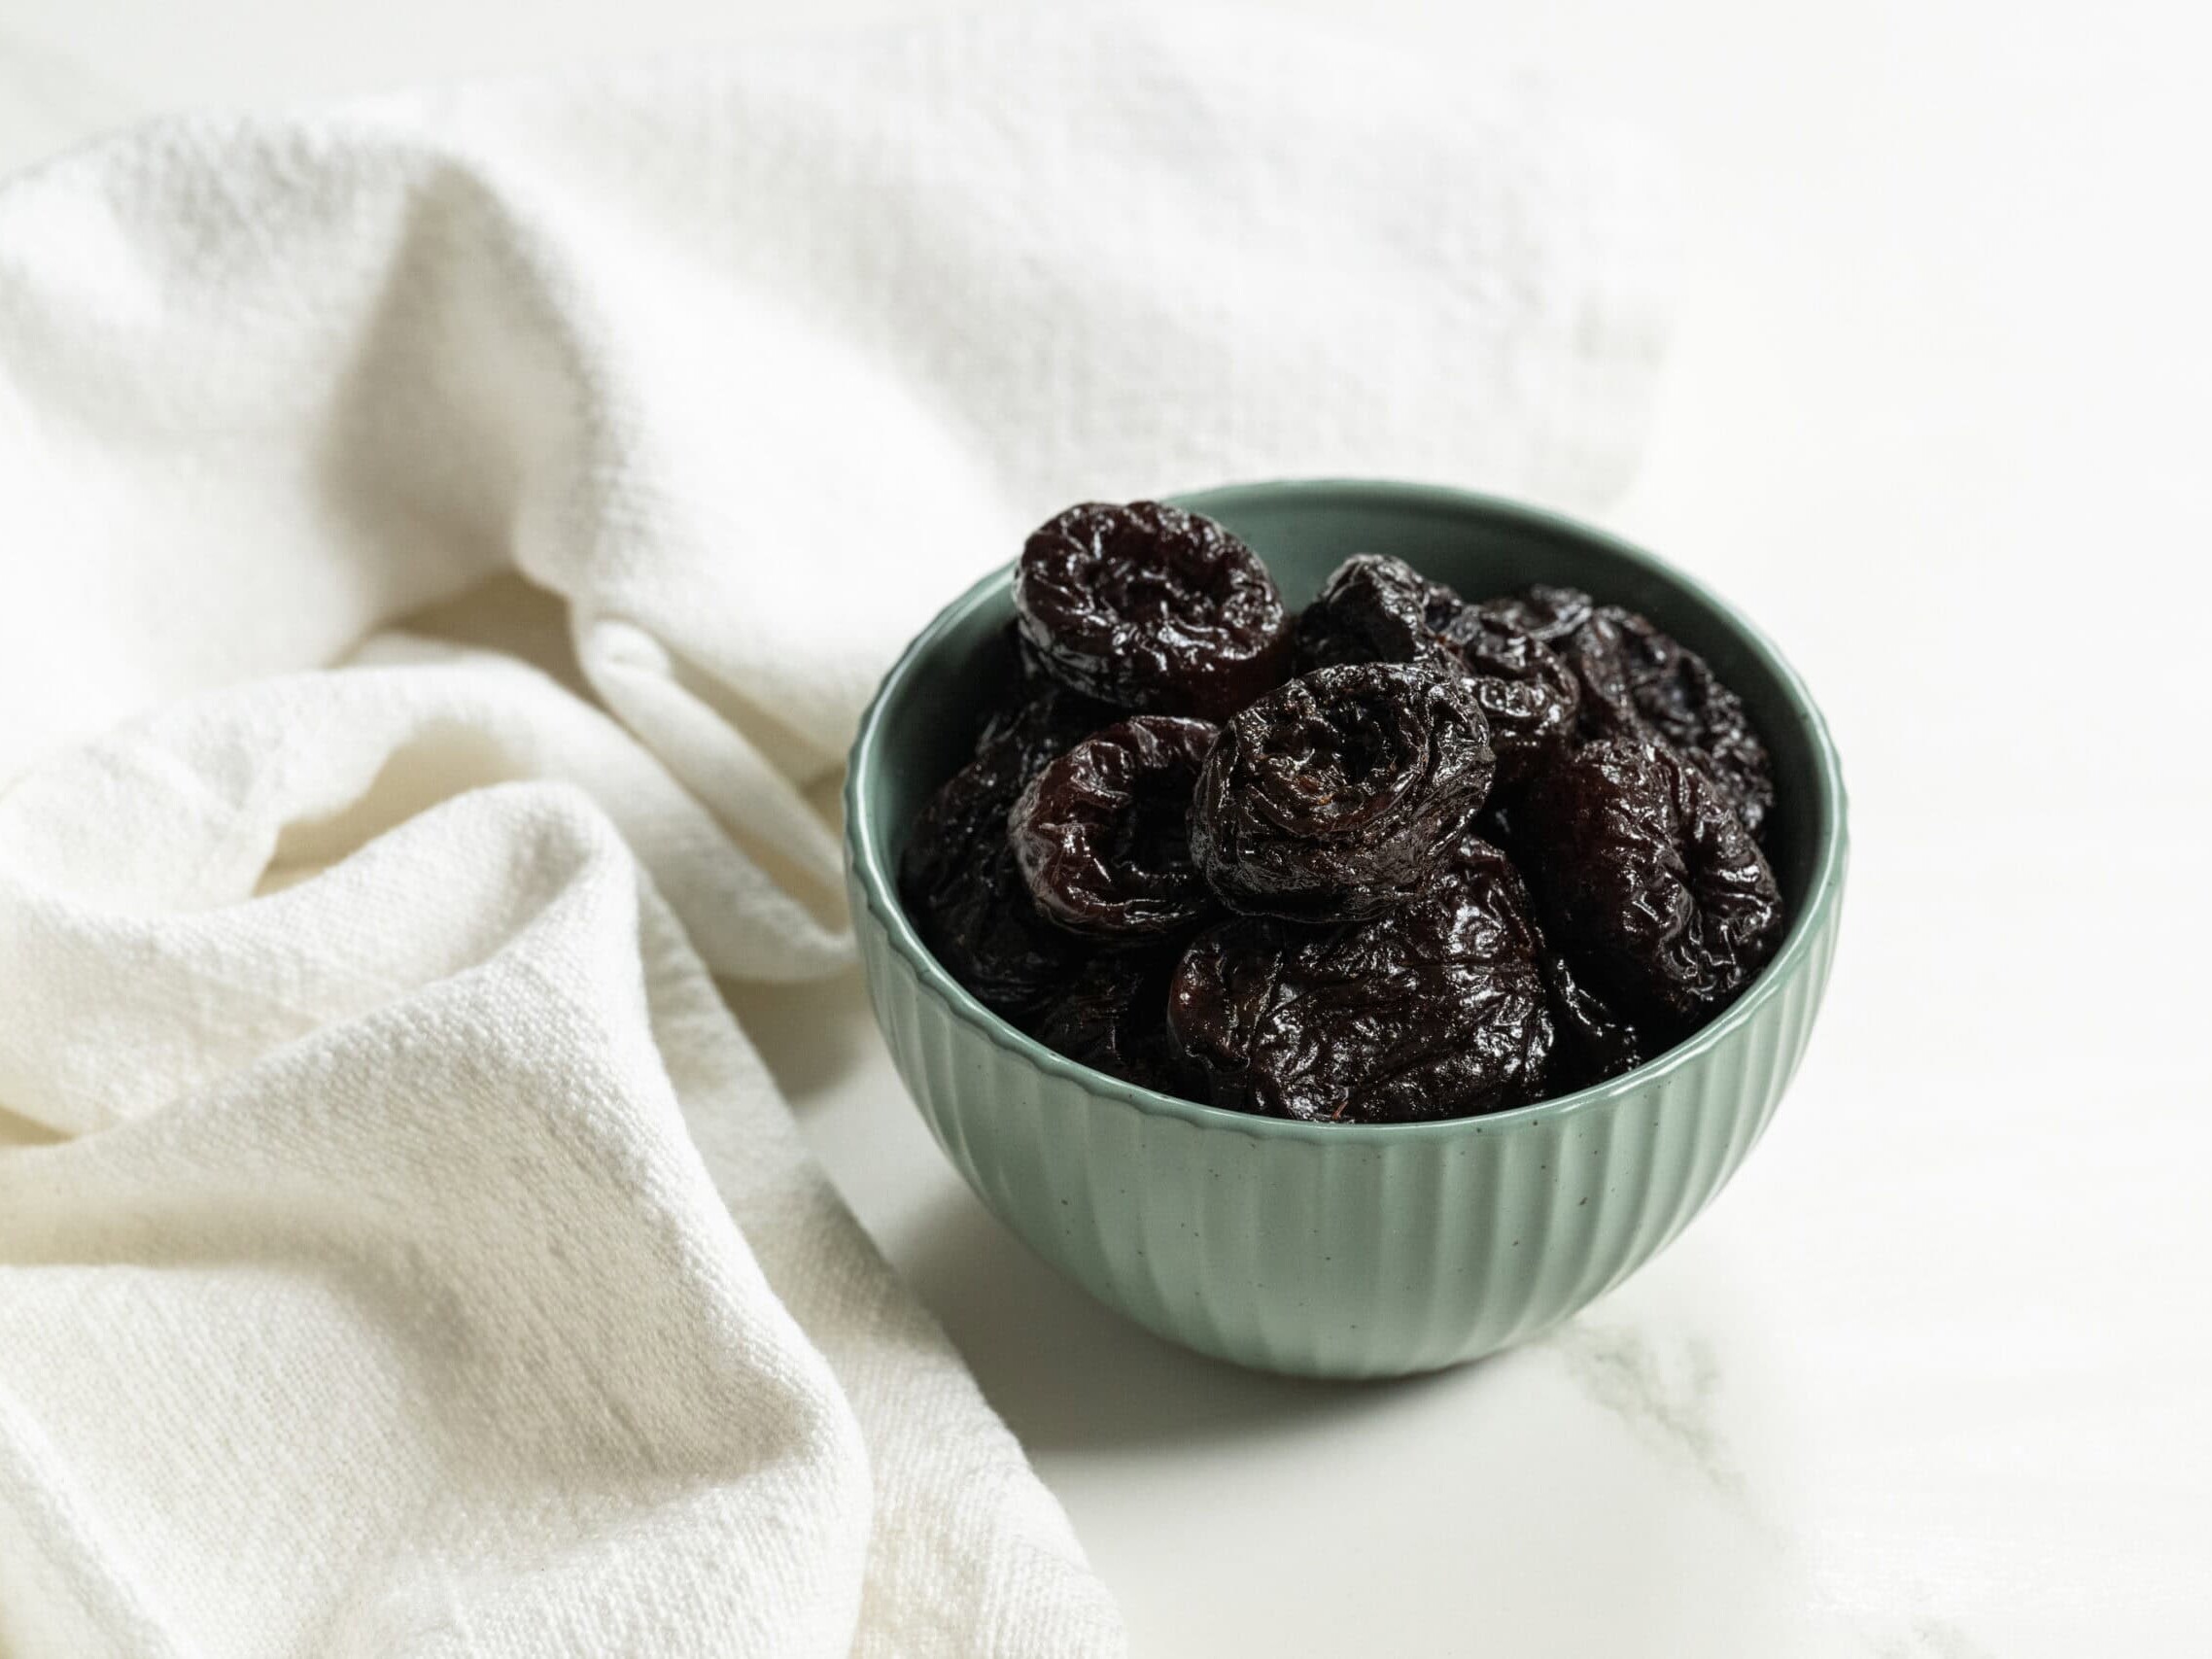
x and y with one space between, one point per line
1594 1043
1151 608
1332 796
1637 681
1376 608
1646 877
1113 1017
1369 823
1433 1010
1042 725
959 881
1552 614
1527 692
1675 694
1040 717
1102 834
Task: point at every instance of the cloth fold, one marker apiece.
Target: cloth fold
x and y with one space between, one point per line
401 1248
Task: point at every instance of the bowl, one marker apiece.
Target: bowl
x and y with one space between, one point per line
1344 1250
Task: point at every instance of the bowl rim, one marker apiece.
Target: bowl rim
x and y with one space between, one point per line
870 870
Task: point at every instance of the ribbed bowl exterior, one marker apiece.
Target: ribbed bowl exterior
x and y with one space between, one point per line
1347 1250
1338 1258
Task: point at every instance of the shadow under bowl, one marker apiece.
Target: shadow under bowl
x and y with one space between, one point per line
1329 1249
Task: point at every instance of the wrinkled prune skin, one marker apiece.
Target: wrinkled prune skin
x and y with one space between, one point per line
1674 693
1040 717
1043 726
1379 610
1113 1018
1594 1042
959 881
1433 1010
1332 796
1102 834
1647 878
1371 821
1151 608
1637 681
1550 614
1528 693
1376 608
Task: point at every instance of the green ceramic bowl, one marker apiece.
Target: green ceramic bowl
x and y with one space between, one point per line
1346 1250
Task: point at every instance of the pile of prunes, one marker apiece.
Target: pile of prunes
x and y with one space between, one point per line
1399 857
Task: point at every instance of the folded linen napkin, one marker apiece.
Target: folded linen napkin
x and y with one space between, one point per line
401 1248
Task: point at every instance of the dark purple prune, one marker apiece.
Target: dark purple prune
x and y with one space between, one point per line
1102 834
960 883
1152 608
1433 1010
1040 717
1675 694
1332 796
1594 1043
1113 1018
1598 655
1043 724
1388 962
1528 693
1637 681
1379 610
1647 880
1551 614
1376 608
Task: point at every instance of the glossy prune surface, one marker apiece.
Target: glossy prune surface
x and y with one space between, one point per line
1113 1017
1529 694
1376 608
1150 609
1433 1010
1594 1042
1334 795
1637 681
958 879
1551 614
1675 694
1102 834
1475 855
1038 724
1648 879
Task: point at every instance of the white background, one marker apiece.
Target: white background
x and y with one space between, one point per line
1931 1377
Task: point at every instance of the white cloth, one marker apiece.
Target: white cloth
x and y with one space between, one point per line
401 1248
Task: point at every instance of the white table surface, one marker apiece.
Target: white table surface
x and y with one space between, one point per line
1930 1378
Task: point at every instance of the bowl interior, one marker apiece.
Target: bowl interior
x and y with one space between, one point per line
922 727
